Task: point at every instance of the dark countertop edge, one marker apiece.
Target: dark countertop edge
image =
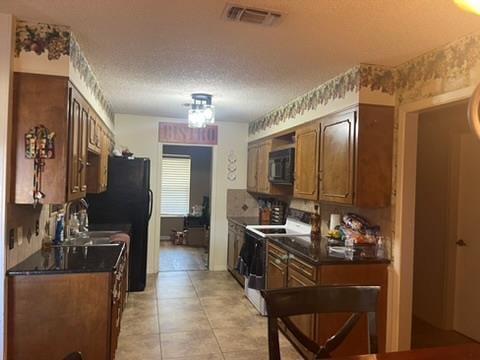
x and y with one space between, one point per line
330 260
58 272
238 220
63 272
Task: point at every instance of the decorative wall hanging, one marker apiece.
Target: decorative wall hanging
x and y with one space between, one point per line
232 166
39 145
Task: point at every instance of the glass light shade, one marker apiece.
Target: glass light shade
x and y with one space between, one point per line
209 113
472 6
196 118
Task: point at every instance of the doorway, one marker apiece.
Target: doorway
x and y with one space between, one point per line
446 253
186 178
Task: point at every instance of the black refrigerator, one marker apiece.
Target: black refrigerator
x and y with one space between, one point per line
127 201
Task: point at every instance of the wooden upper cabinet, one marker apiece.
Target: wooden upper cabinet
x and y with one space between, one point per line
94 127
263 185
337 158
252 168
77 140
97 173
55 103
306 162
356 157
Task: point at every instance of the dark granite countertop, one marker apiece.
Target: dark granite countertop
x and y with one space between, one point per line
70 259
317 253
244 221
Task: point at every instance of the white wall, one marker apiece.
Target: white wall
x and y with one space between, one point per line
6 53
140 135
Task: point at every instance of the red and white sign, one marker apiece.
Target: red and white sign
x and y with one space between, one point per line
177 133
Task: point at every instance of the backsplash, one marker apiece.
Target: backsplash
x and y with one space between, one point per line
27 240
240 203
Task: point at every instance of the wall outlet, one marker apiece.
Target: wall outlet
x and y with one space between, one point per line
19 235
11 239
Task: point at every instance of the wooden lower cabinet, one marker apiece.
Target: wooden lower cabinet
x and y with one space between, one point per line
236 238
287 270
306 323
50 316
277 273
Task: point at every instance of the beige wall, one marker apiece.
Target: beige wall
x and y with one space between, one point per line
140 135
435 215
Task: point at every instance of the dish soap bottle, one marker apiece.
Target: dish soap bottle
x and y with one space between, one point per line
59 229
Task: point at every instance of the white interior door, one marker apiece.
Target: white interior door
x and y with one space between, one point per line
467 285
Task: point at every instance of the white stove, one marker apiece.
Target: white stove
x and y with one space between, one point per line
292 227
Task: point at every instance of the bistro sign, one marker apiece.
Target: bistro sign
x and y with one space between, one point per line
177 133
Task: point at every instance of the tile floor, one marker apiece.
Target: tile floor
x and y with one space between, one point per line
195 315
181 257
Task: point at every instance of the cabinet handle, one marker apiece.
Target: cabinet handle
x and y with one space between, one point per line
80 168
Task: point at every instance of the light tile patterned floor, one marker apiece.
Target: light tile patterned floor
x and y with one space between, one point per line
181 257
196 315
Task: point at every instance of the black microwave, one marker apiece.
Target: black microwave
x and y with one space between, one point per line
281 166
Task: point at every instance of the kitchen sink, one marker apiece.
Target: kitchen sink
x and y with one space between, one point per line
89 241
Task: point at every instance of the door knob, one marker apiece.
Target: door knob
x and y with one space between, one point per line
461 242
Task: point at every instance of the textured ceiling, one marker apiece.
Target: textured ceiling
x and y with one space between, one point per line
150 55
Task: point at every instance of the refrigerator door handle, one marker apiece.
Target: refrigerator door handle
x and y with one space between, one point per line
150 200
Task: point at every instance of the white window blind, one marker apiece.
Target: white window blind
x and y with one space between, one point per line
175 185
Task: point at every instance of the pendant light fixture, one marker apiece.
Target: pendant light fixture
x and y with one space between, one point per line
472 6
202 112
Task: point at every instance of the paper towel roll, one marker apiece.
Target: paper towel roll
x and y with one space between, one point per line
334 221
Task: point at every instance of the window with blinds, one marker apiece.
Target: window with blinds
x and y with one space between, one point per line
175 192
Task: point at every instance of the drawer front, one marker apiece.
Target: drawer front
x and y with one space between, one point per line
277 252
300 266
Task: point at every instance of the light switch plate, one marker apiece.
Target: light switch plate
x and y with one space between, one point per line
20 235
11 239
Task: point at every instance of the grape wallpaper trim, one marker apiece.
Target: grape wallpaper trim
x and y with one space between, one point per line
56 41
452 67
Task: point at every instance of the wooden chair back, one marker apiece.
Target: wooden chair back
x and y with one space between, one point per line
283 303
74 356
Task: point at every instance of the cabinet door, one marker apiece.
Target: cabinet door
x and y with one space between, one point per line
306 323
231 248
306 162
83 146
337 159
93 133
240 239
276 273
104 151
252 168
263 185
74 140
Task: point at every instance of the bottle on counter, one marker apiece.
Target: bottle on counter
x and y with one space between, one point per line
380 247
315 222
59 229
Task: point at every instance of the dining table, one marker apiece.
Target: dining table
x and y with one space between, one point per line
470 351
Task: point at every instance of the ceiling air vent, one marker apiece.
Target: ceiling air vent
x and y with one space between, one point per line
251 15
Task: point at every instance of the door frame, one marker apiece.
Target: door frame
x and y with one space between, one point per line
6 70
399 321
158 201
